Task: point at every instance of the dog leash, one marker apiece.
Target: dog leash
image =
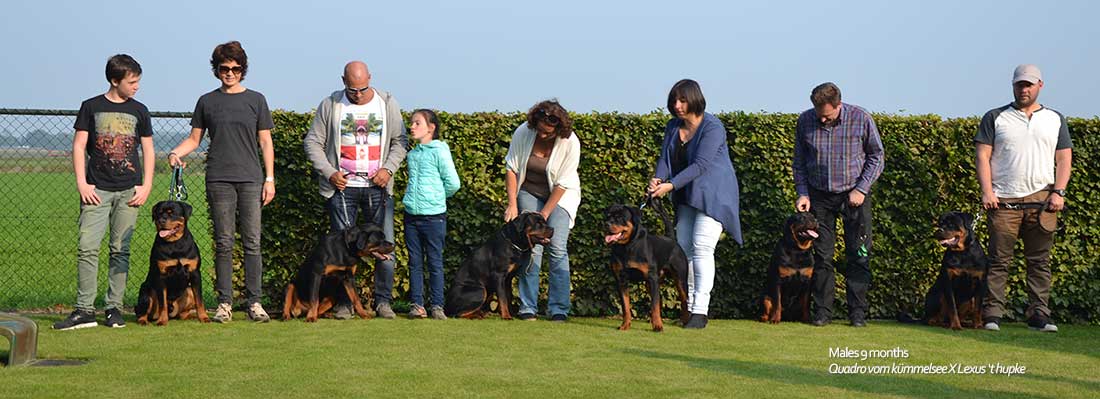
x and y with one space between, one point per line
370 203
1042 206
178 190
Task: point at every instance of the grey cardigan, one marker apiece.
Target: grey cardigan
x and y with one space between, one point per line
322 141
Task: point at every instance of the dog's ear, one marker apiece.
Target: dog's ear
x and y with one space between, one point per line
351 236
788 226
156 210
186 209
361 240
968 221
512 228
635 216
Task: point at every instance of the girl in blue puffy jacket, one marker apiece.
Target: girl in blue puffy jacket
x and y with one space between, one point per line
432 179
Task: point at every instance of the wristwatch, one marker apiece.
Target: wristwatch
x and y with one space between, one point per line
269 179
1061 193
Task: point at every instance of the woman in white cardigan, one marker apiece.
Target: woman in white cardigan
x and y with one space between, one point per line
542 177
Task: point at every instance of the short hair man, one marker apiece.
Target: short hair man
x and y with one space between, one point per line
838 155
1023 157
356 143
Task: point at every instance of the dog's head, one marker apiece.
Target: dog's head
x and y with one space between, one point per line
955 231
529 227
620 224
170 217
801 227
368 240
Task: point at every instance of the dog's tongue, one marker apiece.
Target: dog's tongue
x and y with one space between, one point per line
811 233
380 256
612 238
949 241
166 233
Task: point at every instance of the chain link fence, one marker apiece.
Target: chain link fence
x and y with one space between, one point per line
39 208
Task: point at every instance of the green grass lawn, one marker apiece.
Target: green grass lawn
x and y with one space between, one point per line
38 238
582 358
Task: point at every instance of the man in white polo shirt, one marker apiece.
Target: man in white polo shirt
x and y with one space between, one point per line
1024 154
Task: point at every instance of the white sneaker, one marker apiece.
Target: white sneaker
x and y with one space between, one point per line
257 314
992 326
224 314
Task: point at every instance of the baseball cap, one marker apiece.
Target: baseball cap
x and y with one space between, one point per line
1027 72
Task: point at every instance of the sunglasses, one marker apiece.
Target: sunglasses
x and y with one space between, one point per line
236 70
552 120
356 91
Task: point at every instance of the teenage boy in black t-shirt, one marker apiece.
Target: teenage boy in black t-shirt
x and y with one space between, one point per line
113 183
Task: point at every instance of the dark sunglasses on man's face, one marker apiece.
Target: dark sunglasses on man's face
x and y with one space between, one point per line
236 70
356 91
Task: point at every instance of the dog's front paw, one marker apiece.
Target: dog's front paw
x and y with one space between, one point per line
143 321
624 327
658 327
162 322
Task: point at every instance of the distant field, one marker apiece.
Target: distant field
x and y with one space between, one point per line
38 232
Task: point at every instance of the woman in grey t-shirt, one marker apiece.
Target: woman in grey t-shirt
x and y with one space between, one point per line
239 123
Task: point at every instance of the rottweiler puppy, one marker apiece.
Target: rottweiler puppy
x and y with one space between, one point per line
961 285
329 271
791 271
637 255
490 268
173 287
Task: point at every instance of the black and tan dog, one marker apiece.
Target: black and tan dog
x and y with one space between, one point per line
173 287
791 271
960 286
490 269
328 273
637 255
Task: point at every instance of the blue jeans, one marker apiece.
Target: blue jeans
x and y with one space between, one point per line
94 220
232 204
343 209
425 236
558 301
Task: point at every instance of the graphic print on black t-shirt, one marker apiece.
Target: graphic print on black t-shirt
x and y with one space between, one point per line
116 139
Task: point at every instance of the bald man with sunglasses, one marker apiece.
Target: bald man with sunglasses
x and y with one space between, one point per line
356 143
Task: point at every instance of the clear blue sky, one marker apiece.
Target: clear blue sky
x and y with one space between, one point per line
952 58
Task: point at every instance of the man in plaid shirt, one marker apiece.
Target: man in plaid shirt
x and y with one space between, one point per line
837 157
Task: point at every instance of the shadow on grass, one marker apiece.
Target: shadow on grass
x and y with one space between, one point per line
1068 340
871 384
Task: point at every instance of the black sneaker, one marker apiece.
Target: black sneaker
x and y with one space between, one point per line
698 321
1041 323
77 319
821 322
858 321
560 318
526 316
113 318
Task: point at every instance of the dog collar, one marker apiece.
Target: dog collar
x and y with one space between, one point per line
513 244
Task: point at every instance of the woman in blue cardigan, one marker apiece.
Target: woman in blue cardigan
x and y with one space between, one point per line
695 166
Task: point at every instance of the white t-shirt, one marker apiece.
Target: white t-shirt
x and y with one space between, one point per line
1023 149
361 128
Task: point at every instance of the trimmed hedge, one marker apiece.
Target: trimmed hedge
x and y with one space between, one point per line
929 170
